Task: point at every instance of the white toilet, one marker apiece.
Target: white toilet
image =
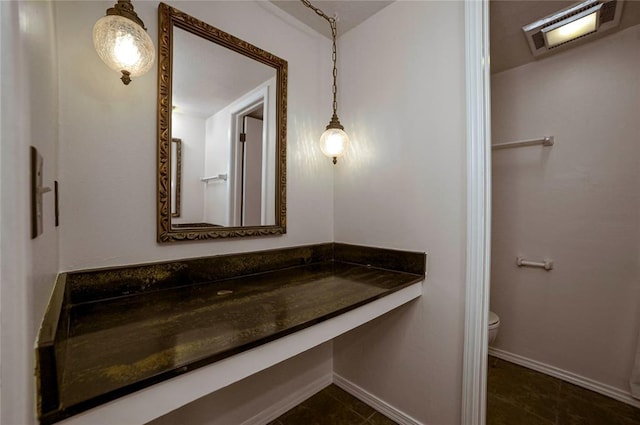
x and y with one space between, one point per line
494 324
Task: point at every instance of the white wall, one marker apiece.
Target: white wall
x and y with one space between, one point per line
402 185
191 130
29 117
577 203
217 161
108 139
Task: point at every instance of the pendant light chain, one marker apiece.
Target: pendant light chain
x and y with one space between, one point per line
334 57
334 140
334 54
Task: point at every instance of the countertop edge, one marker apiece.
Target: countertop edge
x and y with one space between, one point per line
152 402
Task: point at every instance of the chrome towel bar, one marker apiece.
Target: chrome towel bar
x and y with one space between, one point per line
545 264
218 177
545 141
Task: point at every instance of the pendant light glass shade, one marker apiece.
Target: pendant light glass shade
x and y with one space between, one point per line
124 46
334 143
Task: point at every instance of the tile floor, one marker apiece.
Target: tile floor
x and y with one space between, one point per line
520 396
516 396
332 406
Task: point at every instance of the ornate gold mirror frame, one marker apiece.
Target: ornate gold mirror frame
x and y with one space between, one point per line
168 19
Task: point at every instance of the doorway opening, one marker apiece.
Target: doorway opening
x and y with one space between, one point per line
248 185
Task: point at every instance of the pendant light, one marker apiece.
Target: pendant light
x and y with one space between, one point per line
122 42
334 141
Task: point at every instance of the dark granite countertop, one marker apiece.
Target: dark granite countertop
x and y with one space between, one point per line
110 347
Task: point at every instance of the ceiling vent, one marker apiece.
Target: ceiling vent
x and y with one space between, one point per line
573 23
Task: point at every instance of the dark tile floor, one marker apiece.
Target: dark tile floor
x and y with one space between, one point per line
516 396
521 396
332 406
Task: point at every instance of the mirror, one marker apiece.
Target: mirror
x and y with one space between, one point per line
221 133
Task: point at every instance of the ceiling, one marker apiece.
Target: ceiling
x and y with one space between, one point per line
222 76
509 47
349 13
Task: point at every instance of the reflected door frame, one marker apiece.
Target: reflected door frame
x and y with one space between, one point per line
250 103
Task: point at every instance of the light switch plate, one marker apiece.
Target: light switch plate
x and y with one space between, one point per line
36 193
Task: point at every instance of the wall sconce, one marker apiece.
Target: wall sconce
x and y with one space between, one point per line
334 141
122 42
575 22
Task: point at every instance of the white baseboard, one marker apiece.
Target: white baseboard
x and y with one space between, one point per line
373 401
581 381
283 406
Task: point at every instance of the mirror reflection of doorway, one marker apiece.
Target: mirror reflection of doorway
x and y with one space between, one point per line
249 162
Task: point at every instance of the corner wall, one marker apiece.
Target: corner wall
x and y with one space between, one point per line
402 185
28 267
577 203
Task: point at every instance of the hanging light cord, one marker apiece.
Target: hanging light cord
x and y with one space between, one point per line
334 55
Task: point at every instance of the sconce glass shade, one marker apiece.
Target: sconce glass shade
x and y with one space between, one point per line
124 46
334 143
